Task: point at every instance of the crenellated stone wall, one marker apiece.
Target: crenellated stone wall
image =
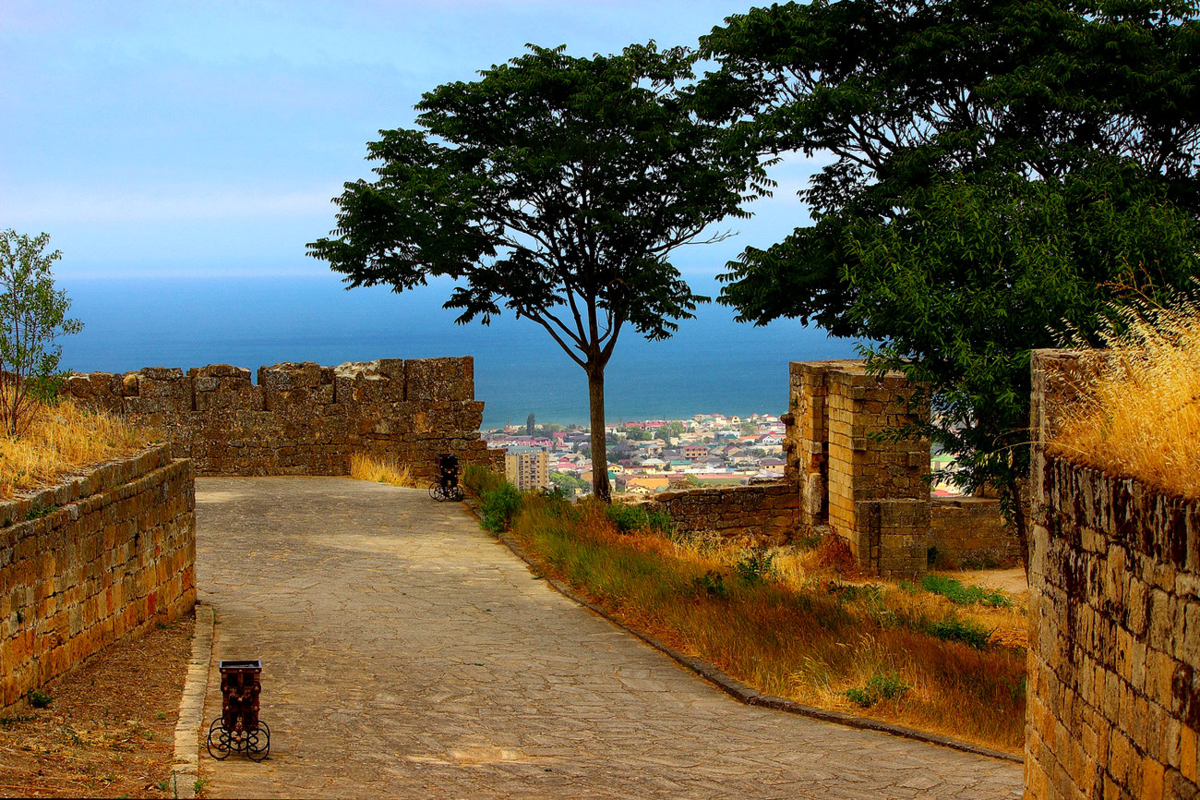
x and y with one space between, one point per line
302 418
1114 654
97 559
761 513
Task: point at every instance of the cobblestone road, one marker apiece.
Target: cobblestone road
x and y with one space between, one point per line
407 654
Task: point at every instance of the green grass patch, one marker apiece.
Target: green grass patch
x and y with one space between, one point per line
956 592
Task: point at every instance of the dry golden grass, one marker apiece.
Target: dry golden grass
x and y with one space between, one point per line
802 631
376 470
1141 415
63 439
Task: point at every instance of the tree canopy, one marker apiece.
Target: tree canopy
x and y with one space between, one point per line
556 187
999 171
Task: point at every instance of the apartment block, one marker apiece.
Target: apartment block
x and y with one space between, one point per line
527 469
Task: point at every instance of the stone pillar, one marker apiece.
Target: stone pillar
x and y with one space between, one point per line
852 477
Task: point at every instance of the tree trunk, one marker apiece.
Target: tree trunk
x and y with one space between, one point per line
600 485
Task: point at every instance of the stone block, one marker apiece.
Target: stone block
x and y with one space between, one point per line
288 376
440 379
363 383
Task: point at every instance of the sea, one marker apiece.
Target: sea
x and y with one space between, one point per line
712 364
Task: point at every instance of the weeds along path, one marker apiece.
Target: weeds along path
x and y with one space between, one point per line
407 653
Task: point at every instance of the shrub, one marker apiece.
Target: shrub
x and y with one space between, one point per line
753 567
500 506
629 518
39 699
711 584
880 686
478 480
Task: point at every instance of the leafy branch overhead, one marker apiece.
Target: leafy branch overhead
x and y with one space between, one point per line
556 187
1000 171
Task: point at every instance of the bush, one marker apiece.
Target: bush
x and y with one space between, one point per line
500 506
629 518
753 567
478 480
710 584
880 686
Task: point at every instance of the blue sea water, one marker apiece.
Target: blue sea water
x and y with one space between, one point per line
713 364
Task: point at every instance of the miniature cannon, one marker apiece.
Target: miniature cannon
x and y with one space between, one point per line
238 729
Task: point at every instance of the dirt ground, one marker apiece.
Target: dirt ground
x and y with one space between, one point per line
110 729
1010 581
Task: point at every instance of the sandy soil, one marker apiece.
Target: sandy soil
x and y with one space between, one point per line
110 729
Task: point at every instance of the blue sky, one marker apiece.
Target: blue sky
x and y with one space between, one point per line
164 139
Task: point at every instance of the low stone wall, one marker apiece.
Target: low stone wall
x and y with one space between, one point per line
969 532
303 419
1114 658
91 562
762 513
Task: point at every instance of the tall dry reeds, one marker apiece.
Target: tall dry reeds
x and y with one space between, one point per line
1140 416
61 439
380 470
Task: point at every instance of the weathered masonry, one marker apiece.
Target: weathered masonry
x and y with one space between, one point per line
1114 658
90 562
303 419
856 482
762 513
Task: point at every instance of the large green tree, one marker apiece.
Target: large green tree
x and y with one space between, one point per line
558 187
999 171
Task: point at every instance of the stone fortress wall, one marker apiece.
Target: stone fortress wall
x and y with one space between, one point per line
1114 652
301 418
845 476
100 558
856 482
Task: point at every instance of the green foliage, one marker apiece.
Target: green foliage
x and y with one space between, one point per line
1000 170
38 513
557 187
880 686
629 518
39 699
32 315
953 628
672 430
963 595
754 566
710 584
478 479
499 506
635 434
569 485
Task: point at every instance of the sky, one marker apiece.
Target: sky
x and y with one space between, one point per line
167 140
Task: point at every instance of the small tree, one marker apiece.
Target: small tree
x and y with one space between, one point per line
32 315
557 186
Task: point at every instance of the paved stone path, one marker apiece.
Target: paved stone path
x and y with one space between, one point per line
406 653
